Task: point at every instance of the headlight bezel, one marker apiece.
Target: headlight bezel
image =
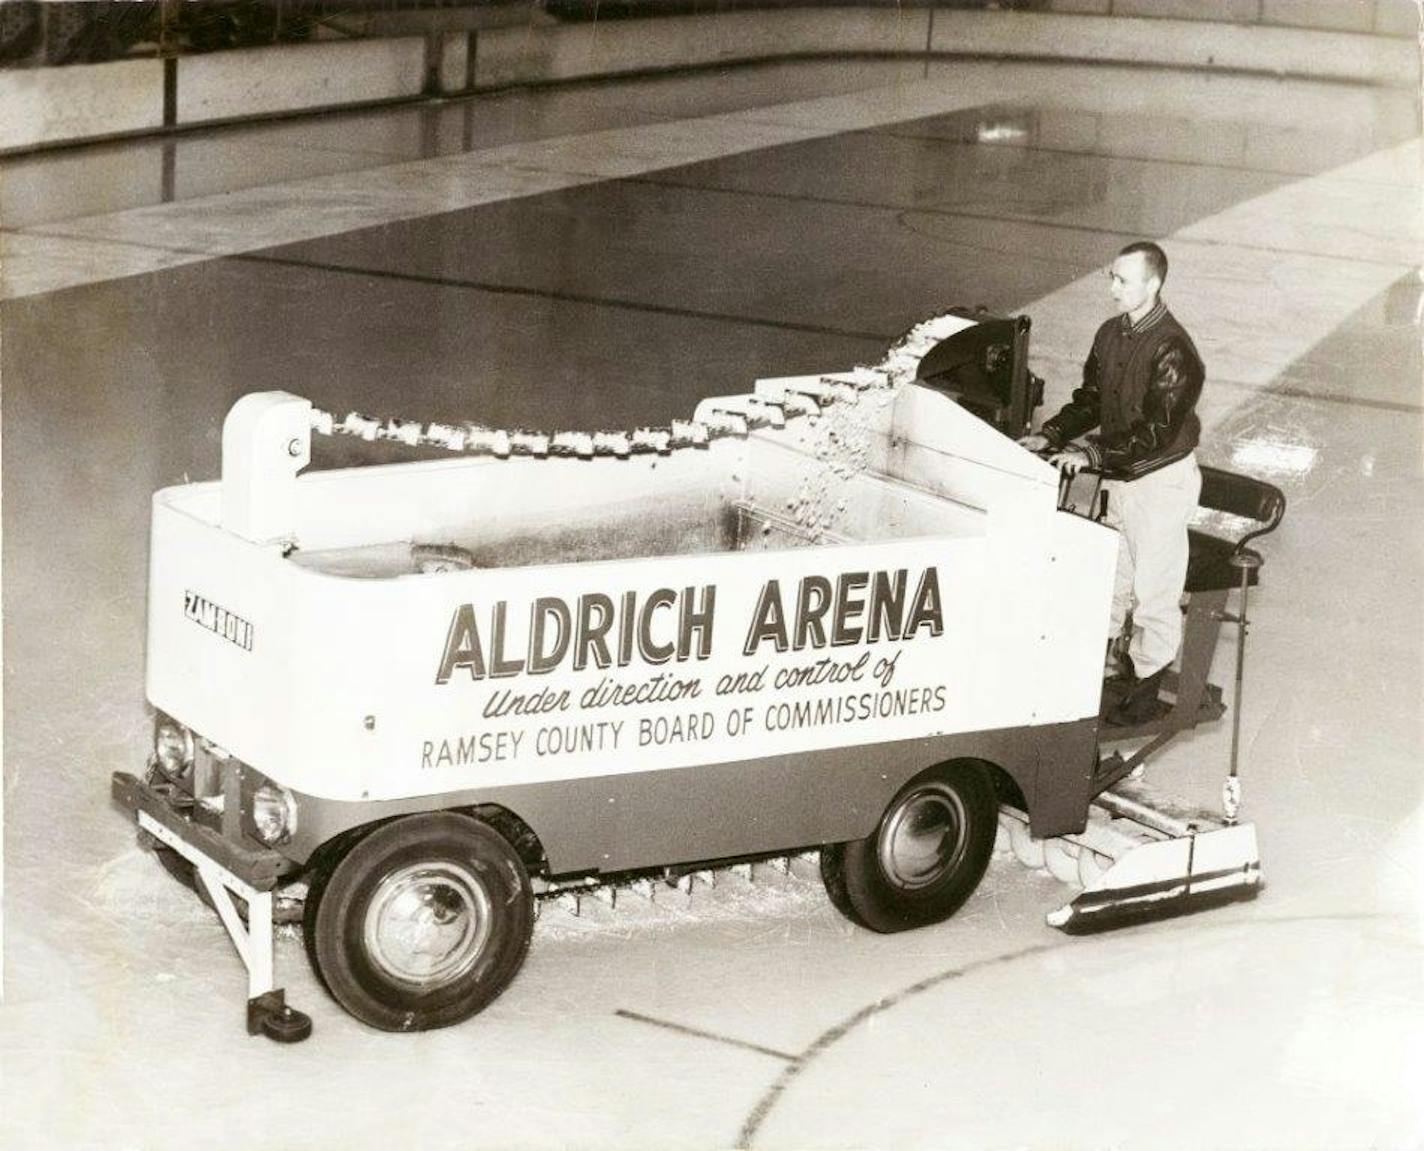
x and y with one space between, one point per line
174 748
273 813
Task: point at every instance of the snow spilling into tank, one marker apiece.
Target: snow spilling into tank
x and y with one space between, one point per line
844 434
845 429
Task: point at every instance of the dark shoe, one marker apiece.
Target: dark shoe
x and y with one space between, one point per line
1125 675
1140 704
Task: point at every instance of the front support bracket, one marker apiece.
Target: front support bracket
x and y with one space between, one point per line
267 1011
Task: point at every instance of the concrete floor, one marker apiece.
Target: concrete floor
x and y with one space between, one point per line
609 254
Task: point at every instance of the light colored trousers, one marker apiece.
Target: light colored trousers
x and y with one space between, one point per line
1152 513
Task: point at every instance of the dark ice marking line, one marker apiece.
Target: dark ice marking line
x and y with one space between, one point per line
904 216
829 1038
685 1030
1086 154
1295 393
490 287
835 1034
264 256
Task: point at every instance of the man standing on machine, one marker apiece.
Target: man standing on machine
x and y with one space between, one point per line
1140 387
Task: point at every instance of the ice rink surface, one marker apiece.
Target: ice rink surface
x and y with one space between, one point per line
602 256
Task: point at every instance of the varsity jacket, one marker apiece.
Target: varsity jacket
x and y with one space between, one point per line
1140 387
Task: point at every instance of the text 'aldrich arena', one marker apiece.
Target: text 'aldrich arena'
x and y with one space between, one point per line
597 629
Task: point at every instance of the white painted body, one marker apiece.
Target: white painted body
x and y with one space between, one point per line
327 682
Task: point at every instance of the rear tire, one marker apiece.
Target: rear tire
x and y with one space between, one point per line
834 878
925 858
421 923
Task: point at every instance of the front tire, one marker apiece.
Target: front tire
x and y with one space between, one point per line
421 923
927 854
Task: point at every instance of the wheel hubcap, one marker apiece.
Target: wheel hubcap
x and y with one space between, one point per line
923 837
427 924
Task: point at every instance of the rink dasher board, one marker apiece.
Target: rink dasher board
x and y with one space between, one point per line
331 684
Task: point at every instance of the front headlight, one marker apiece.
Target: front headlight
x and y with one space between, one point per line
172 746
274 814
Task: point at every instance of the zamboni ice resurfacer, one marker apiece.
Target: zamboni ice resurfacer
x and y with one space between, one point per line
842 613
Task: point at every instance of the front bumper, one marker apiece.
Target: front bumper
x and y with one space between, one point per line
258 867
226 867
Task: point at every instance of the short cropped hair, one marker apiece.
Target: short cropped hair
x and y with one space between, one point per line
1156 258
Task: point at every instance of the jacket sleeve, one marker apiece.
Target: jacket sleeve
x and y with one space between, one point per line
1171 396
1083 411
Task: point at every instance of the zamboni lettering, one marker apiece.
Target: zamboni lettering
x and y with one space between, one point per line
840 614
219 620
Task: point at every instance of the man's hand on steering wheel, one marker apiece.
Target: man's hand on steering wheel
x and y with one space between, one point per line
1070 460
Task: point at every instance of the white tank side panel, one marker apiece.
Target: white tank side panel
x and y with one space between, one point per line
331 652
432 737
220 640
1075 619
